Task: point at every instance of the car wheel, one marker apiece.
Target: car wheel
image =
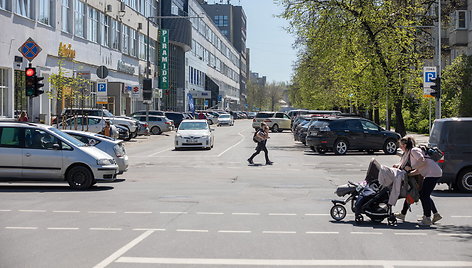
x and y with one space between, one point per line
464 181
313 148
128 136
156 130
340 147
275 128
134 134
390 147
79 178
321 150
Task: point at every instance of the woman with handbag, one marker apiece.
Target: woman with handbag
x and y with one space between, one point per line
261 136
415 162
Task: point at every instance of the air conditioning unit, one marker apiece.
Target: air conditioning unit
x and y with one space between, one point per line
109 8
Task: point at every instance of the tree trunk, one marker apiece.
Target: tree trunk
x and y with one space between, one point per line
399 123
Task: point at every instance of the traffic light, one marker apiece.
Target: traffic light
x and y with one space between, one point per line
436 87
33 83
38 85
30 81
147 89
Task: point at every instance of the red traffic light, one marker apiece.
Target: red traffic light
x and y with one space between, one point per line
30 72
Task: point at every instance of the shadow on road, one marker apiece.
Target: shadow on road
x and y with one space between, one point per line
449 193
47 189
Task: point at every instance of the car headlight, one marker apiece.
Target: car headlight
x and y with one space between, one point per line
105 162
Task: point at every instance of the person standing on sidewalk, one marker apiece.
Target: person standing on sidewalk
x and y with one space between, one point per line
415 162
262 135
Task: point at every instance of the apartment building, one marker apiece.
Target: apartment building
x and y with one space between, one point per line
77 37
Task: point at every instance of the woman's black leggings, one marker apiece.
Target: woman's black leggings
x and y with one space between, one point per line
261 146
425 196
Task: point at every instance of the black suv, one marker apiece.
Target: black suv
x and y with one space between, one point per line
453 136
343 134
176 117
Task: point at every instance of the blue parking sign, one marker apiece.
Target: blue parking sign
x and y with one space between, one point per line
429 76
101 87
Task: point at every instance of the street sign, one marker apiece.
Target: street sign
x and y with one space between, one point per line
30 49
164 59
102 92
102 72
136 92
429 73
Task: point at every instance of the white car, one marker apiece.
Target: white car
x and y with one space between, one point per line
225 119
276 121
115 148
93 124
194 134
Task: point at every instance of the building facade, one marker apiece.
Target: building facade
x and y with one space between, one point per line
232 22
76 37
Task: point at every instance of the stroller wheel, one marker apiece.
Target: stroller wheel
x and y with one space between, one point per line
359 218
338 212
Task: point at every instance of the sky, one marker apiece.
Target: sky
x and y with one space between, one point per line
271 53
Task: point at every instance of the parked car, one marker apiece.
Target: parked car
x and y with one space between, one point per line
453 136
346 133
95 124
194 134
176 117
251 115
157 124
151 112
115 148
40 152
129 123
225 119
276 121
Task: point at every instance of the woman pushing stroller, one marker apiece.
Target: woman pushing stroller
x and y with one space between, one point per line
415 162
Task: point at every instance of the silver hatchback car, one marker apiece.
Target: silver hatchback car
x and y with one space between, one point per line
31 152
157 123
113 147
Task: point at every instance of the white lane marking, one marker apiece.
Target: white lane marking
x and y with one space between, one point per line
149 229
367 233
410 233
138 212
5 210
312 214
21 228
210 213
245 214
461 216
102 212
123 250
311 232
192 230
66 211
236 232
154 154
31 210
456 234
105 229
234 145
280 262
279 232
63 228
282 214
173 212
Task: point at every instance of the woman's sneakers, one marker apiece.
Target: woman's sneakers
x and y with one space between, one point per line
400 216
425 221
436 218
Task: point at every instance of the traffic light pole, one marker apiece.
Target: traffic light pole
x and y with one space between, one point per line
438 100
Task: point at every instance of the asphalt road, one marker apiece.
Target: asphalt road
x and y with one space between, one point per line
198 208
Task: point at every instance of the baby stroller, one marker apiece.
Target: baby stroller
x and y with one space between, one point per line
367 198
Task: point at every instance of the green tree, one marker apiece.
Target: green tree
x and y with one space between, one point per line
457 88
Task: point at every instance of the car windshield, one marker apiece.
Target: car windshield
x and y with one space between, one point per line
193 126
107 113
224 116
67 137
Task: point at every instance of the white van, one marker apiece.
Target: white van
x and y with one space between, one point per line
30 152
